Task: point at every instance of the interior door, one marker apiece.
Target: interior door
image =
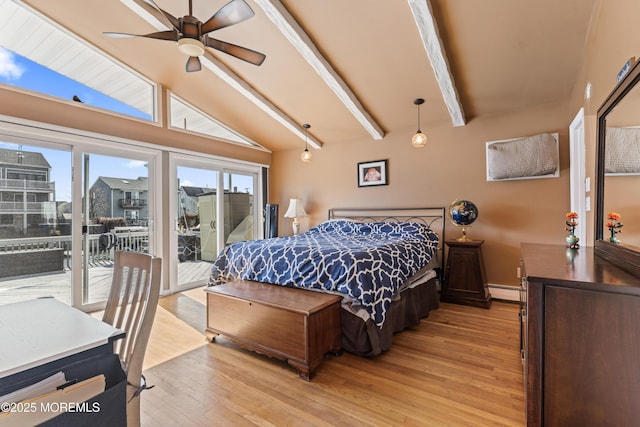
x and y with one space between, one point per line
580 202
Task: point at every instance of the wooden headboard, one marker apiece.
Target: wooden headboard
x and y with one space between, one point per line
431 217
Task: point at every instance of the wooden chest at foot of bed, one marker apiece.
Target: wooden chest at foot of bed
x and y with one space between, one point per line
295 325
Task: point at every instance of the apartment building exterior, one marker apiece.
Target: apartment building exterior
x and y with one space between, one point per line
120 198
27 195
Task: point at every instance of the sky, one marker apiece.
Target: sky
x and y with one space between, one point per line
18 71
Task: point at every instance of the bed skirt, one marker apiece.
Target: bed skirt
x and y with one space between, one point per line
364 338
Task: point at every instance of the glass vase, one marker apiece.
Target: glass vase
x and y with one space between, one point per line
572 241
613 239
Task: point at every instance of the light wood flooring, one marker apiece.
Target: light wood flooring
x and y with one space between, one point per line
459 367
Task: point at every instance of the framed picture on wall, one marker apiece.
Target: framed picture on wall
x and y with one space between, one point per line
372 173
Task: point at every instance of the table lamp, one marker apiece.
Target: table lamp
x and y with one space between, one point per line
295 211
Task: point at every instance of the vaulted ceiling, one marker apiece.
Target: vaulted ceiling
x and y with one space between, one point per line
501 55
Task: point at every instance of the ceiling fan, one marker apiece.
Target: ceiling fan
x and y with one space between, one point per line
192 35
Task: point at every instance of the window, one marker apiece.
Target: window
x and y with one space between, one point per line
131 215
53 61
186 117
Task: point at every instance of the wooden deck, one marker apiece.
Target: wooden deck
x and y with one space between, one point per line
58 285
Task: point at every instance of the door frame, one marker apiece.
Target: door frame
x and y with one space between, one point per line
125 149
213 163
578 173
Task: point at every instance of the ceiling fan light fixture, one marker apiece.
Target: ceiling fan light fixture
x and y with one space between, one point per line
419 140
191 34
191 47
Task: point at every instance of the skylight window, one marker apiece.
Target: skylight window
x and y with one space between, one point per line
54 62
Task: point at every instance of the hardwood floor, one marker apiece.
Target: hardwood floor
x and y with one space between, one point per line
459 367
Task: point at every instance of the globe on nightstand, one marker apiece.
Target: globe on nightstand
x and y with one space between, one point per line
463 213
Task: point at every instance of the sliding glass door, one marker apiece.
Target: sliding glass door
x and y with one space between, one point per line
35 221
241 215
196 222
69 200
115 217
213 206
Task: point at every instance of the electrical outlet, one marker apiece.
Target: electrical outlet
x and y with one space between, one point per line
587 204
587 184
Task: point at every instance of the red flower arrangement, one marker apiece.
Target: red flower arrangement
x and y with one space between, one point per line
571 222
614 225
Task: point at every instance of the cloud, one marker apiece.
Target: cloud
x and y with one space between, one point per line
133 164
9 69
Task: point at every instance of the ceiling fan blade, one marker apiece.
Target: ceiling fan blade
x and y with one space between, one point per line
231 13
193 64
161 35
251 56
151 7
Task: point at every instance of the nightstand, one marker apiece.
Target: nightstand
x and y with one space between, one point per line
465 278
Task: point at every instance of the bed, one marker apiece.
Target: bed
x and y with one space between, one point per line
385 263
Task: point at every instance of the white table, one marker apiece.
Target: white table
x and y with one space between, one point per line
43 332
42 337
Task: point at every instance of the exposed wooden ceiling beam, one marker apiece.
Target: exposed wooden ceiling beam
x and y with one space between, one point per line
242 87
428 29
294 33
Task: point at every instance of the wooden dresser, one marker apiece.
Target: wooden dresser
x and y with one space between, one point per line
295 325
582 339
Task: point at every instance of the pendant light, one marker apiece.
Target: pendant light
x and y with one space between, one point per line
419 140
306 154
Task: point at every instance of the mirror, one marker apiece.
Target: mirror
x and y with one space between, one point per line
618 173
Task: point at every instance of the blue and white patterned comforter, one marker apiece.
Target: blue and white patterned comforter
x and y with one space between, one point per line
368 262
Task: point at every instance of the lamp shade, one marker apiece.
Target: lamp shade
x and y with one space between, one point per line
296 210
306 155
191 47
419 140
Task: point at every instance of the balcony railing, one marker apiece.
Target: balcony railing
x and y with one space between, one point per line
133 203
19 207
25 184
97 253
